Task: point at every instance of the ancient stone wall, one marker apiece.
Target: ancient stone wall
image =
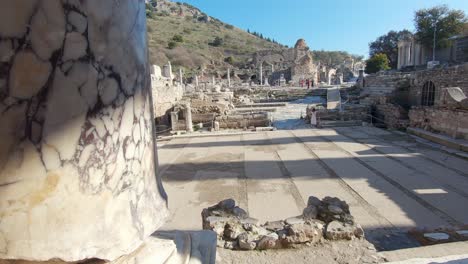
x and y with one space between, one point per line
392 115
453 123
455 76
387 83
166 93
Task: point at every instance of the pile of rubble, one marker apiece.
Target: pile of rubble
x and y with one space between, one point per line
329 219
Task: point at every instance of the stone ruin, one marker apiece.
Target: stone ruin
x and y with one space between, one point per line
328 219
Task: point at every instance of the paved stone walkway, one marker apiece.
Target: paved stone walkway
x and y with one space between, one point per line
391 182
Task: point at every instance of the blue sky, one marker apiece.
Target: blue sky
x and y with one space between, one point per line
325 24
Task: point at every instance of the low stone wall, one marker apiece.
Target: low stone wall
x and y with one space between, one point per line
243 121
453 123
350 112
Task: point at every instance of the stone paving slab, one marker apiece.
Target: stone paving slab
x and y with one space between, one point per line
271 174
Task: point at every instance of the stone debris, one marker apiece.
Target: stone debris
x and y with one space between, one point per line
329 219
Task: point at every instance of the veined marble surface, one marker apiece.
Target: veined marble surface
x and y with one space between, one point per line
77 156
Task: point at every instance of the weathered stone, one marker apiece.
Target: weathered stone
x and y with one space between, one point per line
249 221
310 212
294 220
239 212
337 230
335 209
230 245
227 204
302 233
268 242
216 224
232 230
246 241
274 226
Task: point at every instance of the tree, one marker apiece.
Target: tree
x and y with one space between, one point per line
377 63
388 45
449 23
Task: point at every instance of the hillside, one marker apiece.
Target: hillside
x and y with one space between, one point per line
189 38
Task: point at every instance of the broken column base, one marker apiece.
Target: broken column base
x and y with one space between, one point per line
162 247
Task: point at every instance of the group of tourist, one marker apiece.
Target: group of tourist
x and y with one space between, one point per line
307 82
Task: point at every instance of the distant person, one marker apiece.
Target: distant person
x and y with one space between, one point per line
313 83
308 83
313 117
301 82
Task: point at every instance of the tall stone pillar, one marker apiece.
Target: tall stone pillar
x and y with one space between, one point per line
261 73
229 77
188 118
77 151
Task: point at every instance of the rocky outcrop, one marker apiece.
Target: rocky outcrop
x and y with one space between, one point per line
329 219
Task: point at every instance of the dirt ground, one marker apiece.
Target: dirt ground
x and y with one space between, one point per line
342 252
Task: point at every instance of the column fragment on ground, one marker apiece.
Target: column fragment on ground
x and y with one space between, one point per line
77 155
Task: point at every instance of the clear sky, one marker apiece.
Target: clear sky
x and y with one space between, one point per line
325 24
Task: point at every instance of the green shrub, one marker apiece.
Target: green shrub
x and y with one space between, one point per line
229 60
178 38
217 42
171 45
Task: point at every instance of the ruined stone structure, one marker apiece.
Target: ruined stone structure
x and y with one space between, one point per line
293 64
166 93
411 53
421 99
77 156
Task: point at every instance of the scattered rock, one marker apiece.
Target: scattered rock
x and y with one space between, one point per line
239 212
274 226
232 230
338 230
236 230
268 242
294 220
227 204
310 212
302 233
313 201
246 241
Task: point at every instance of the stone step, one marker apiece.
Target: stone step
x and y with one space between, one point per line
458 144
341 123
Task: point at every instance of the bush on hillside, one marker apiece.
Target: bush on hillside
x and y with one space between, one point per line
217 42
171 45
178 38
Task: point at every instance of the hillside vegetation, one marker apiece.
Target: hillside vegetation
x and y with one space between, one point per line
189 38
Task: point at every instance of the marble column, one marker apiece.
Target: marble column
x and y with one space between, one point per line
77 154
229 77
188 118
